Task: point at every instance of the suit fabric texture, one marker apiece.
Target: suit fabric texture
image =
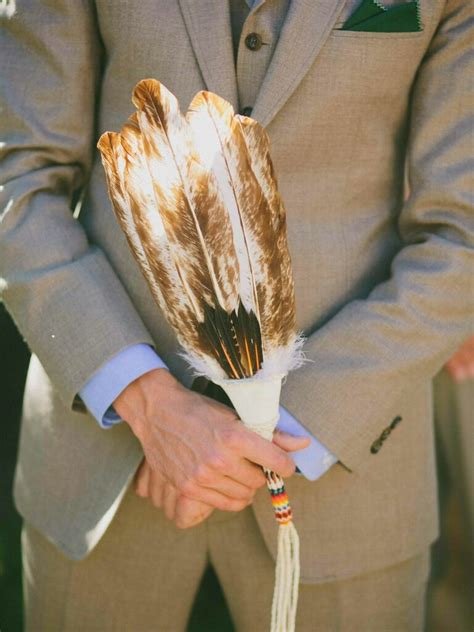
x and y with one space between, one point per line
371 137
162 567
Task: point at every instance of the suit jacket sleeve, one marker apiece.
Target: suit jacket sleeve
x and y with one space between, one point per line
62 292
375 351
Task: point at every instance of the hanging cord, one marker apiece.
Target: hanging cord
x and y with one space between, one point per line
287 573
287 576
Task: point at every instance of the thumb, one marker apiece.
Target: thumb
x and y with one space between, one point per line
289 442
141 479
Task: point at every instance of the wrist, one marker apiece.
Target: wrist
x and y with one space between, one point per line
135 400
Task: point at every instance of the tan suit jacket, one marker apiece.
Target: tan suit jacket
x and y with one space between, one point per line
383 283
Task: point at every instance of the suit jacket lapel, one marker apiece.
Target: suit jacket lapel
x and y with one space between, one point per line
305 30
208 26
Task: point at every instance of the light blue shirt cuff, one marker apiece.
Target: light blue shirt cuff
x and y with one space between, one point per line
113 377
312 461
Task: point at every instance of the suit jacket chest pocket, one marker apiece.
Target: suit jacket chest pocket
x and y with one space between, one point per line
368 66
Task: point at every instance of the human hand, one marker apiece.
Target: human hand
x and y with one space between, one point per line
198 445
183 511
461 365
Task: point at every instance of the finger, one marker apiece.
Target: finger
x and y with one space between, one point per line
456 370
466 362
170 496
213 498
289 442
245 472
460 365
141 479
265 453
190 513
232 488
156 487
460 374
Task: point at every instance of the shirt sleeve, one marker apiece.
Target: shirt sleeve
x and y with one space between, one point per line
312 461
113 377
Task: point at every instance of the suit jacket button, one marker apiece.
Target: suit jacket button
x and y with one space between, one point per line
395 422
253 41
247 111
375 447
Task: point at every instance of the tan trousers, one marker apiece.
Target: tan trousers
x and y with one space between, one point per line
144 574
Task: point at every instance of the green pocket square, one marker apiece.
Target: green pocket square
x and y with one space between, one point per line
372 16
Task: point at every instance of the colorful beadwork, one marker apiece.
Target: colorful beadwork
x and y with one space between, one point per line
280 501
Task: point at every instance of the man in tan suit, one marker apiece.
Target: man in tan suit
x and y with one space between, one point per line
353 97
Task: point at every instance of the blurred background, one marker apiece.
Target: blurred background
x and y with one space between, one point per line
450 601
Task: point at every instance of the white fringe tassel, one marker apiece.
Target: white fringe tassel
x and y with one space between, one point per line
287 577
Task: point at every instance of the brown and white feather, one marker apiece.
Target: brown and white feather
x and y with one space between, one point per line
197 198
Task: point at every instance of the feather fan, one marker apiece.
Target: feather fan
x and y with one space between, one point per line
197 199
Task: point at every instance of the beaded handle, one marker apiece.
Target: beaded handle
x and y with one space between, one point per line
280 500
